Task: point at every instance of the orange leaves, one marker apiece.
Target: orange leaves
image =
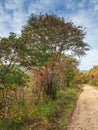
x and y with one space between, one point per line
41 73
92 76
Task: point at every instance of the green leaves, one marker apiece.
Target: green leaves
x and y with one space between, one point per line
15 78
54 32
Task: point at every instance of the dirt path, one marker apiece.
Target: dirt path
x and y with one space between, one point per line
85 116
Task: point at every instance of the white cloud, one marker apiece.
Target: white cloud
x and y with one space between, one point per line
90 60
70 4
82 18
78 13
4 21
19 16
43 6
93 1
96 7
86 19
81 4
12 21
94 4
13 4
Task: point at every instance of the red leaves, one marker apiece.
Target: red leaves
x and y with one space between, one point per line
41 73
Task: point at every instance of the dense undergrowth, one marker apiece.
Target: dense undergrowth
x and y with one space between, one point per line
53 115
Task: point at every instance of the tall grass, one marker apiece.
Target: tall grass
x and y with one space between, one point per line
53 115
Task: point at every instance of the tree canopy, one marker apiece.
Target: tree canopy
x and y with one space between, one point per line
54 34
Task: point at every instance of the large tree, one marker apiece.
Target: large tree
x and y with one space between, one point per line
46 38
51 33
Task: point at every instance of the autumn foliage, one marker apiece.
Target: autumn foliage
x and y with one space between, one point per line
36 72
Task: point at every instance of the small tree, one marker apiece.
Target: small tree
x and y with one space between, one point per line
11 76
71 66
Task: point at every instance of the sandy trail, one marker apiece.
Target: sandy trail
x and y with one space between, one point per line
85 116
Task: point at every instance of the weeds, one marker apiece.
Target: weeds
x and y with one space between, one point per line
53 115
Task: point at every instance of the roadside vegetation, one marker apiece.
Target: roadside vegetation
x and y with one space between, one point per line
91 77
39 81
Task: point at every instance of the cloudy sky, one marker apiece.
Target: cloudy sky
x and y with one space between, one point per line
14 14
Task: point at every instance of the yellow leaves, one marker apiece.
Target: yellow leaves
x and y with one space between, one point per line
1 114
14 85
97 83
44 120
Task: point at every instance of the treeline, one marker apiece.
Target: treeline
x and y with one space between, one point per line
35 71
91 77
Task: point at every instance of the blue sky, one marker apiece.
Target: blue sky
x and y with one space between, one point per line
14 14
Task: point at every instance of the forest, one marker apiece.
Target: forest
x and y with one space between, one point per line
39 81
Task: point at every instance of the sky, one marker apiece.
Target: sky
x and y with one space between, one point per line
14 14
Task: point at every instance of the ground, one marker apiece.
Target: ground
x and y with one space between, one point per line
85 116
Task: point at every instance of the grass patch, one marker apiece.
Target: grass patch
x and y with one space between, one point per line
54 115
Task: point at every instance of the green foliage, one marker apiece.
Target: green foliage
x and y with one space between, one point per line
46 103
46 35
15 78
52 115
92 76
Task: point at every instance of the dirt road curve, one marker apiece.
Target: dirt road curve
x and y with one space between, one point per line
85 116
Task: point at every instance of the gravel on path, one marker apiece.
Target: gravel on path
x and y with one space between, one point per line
85 116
